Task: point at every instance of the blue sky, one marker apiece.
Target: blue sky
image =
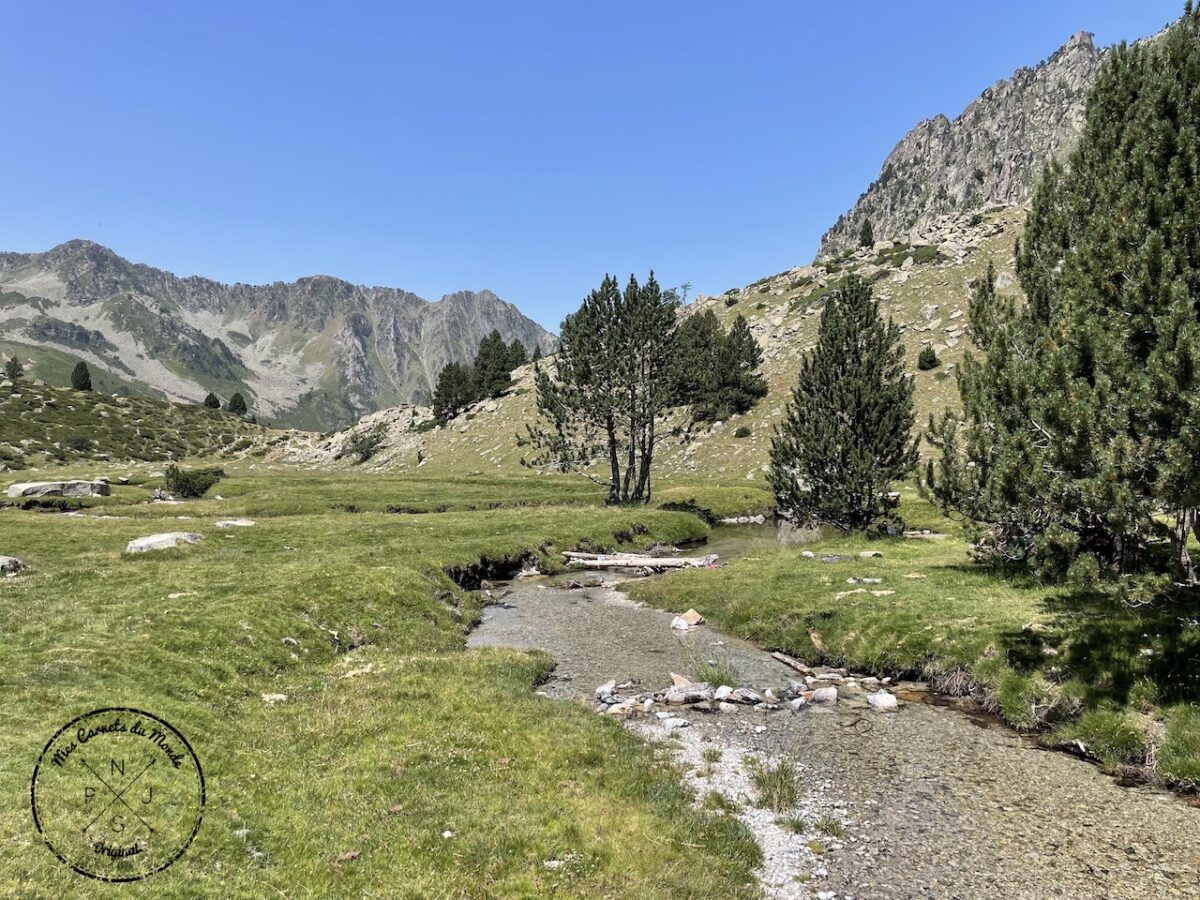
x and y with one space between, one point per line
524 147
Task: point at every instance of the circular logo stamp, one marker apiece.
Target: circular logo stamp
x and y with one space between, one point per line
117 794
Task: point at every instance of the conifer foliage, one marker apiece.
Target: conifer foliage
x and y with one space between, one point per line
1079 444
237 405
490 375
848 432
81 377
612 380
717 372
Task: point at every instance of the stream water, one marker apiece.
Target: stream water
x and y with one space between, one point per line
935 803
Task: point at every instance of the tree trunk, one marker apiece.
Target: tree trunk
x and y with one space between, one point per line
614 462
1185 523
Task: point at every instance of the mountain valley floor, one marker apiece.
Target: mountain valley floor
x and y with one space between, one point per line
354 746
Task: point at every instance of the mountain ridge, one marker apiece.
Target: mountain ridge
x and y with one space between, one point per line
315 352
991 154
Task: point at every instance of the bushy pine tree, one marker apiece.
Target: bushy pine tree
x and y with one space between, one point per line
237 404
928 359
517 355
611 382
212 401
866 237
717 372
81 377
13 369
454 392
1079 442
848 432
492 366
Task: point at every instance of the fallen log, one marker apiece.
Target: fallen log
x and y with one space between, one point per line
638 561
792 662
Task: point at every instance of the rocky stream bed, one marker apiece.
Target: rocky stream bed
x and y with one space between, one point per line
931 800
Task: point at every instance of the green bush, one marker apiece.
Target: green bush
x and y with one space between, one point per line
742 432
80 443
928 359
191 483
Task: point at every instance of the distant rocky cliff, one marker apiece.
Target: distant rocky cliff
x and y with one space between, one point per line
990 155
318 352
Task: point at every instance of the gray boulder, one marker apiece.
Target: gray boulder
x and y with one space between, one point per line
98 488
163 541
10 565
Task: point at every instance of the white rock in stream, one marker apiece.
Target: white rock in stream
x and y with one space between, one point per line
882 701
674 723
825 695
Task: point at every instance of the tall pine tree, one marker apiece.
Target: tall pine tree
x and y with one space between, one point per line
848 432
493 366
81 377
1079 442
454 392
611 382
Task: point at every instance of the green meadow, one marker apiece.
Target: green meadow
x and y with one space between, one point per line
399 764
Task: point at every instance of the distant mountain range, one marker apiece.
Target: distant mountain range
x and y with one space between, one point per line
316 353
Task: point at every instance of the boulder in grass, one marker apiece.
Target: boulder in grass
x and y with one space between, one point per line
163 541
10 565
98 488
236 523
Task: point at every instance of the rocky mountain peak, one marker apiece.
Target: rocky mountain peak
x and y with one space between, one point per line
991 155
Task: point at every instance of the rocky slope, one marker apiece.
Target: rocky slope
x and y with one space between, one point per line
990 155
925 287
316 353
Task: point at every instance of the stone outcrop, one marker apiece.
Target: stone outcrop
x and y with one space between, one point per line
97 488
990 155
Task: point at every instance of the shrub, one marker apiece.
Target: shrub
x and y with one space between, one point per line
742 432
364 444
191 483
78 442
928 359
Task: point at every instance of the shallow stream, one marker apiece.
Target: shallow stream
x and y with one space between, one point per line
935 802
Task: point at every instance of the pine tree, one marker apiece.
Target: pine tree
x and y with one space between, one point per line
848 432
698 343
716 372
537 353
492 368
81 377
866 237
517 355
612 381
739 384
13 370
237 405
1079 436
928 359
454 392
212 401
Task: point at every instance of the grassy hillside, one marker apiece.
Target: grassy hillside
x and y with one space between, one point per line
397 762
42 425
927 297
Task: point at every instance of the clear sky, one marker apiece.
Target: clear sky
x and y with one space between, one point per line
524 147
